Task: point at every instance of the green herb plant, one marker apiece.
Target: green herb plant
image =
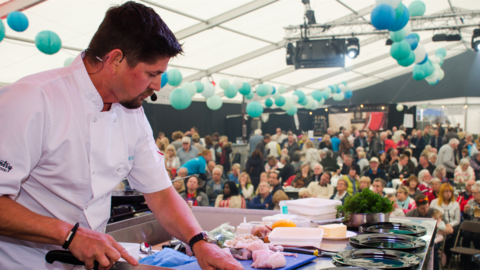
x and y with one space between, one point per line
365 202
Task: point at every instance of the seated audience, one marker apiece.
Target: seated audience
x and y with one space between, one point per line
317 173
264 199
352 180
302 178
321 189
399 169
325 143
412 161
254 167
311 155
197 165
378 186
341 193
397 212
446 157
296 162
274 148
245 186
263 178
405 202
233 176
403 143
215 186
466 196
303 193
272 164
432 158
274 184
192 194
362 160
210 146
347 163
475 164
412 186
374 171
223 154
464 154
171 159
364 183
436 183
280 195
182 172
424 164
186 152
329 163
209 171
230 197
287 169
438 216
441 173
389 143
196 142
177 137
469 210
179 185
463 172
425 179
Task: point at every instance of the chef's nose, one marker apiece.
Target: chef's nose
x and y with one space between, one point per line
155 84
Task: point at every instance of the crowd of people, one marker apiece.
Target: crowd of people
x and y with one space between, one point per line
423 168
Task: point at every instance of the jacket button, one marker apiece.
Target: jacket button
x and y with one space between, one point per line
86 207
95 120
118 169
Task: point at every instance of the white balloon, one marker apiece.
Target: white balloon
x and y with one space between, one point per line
190 87
237 83
399 107
408 29
321 102
437 66
270 88
392 3
294 98
441 74
276 95
208 90
433 78
309 102
341 96
288 104
342 87
282 89
435 59
419 53
315 105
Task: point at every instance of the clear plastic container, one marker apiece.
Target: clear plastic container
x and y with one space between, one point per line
312 206
301 221
297 237
330 215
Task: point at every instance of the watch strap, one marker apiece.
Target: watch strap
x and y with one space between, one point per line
196 238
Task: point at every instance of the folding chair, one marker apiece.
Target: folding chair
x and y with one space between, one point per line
469 226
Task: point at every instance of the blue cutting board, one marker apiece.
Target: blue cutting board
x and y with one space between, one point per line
292 263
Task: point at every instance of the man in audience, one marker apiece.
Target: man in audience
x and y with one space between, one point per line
374 172
344 144
274 182
335 142
215 186
292 146
449 135
425 179
347 163
329 163
341 193
410 165
254 140
424 164
261 145
399 169
426 134
360 141
377 145
396 135
182 172
441 130
330 132
193 194
475 163
279 137
378 186
446 156
321 189
215 137
209 171
420 144
177 137
317 173
465 196
264 199
287 171
296 162
187 152
436 140
460 134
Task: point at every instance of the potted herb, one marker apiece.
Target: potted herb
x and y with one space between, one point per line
365 207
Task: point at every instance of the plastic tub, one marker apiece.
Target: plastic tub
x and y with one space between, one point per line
330 215
277 217
313 206
301 222
297 237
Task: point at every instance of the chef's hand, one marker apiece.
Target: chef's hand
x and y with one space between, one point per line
210 257
89 246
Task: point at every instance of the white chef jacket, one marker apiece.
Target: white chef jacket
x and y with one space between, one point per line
61 157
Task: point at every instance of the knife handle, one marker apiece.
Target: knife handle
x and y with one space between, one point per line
65 256
314 252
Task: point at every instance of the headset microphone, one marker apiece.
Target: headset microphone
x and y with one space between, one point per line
153 97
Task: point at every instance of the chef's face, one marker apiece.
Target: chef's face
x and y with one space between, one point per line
138 83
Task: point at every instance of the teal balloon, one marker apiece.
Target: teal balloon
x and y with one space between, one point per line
441 51
180 99
428 68
163 80
399 11
17 21
2 30
250 95
280 101
292 111
407 61
48 42
282 89
441 60
190 87
326 93
402 21
300 95
417 8
262 90
348 94
230 92
224 84
334 88
174 77
418 74
412 40
199 86
268 102
321 102
254 109
417 36
344 83
68 61
317 95
383 16
245 89
400 50
398 36
214 102
304 102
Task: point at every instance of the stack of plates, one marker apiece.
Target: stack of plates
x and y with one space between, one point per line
393 228
404 243
382 259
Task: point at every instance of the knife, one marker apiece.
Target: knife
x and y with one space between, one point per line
67 257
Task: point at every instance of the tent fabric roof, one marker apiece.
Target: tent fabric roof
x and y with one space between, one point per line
246 40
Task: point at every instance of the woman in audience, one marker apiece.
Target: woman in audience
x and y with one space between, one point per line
263 178
179 185
464 172
171 159
389 143
198 164
224 155
196 142
303 193
436 183
311 155
279 195
412 186
209 145
426 150
465 154
245 187
325 143
192 194
272 164
233 176
363 183
161 145
403 143
450 209
432 157
341 193
303 177
397 212
382 158
230 197
441 173
254 167
405 202
362 160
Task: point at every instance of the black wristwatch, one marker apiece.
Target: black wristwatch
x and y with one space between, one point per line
201 236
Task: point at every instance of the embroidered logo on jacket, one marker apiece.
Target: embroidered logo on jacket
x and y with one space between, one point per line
5 166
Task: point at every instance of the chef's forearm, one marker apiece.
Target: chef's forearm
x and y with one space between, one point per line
173 213
18 222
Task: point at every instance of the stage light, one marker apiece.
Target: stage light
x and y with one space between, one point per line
310 113
326 110
466 106
353 47
443 107
290 54
361 105
445 37
476 40
346 109
389 42
383 108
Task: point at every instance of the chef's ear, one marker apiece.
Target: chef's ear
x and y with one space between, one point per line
115 59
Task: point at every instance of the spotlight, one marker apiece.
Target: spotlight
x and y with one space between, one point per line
476 40
346 109
310 113
353 47
361 105
383 108
326 110
389 42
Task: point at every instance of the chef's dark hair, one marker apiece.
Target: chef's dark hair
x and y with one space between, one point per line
137 31
233 189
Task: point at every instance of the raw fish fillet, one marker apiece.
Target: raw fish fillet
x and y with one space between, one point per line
241 254
257 245
268 259
240 245
276 260
275 248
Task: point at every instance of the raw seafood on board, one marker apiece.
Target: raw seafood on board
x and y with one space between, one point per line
268 259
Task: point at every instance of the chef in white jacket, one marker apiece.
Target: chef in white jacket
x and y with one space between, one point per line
70 135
